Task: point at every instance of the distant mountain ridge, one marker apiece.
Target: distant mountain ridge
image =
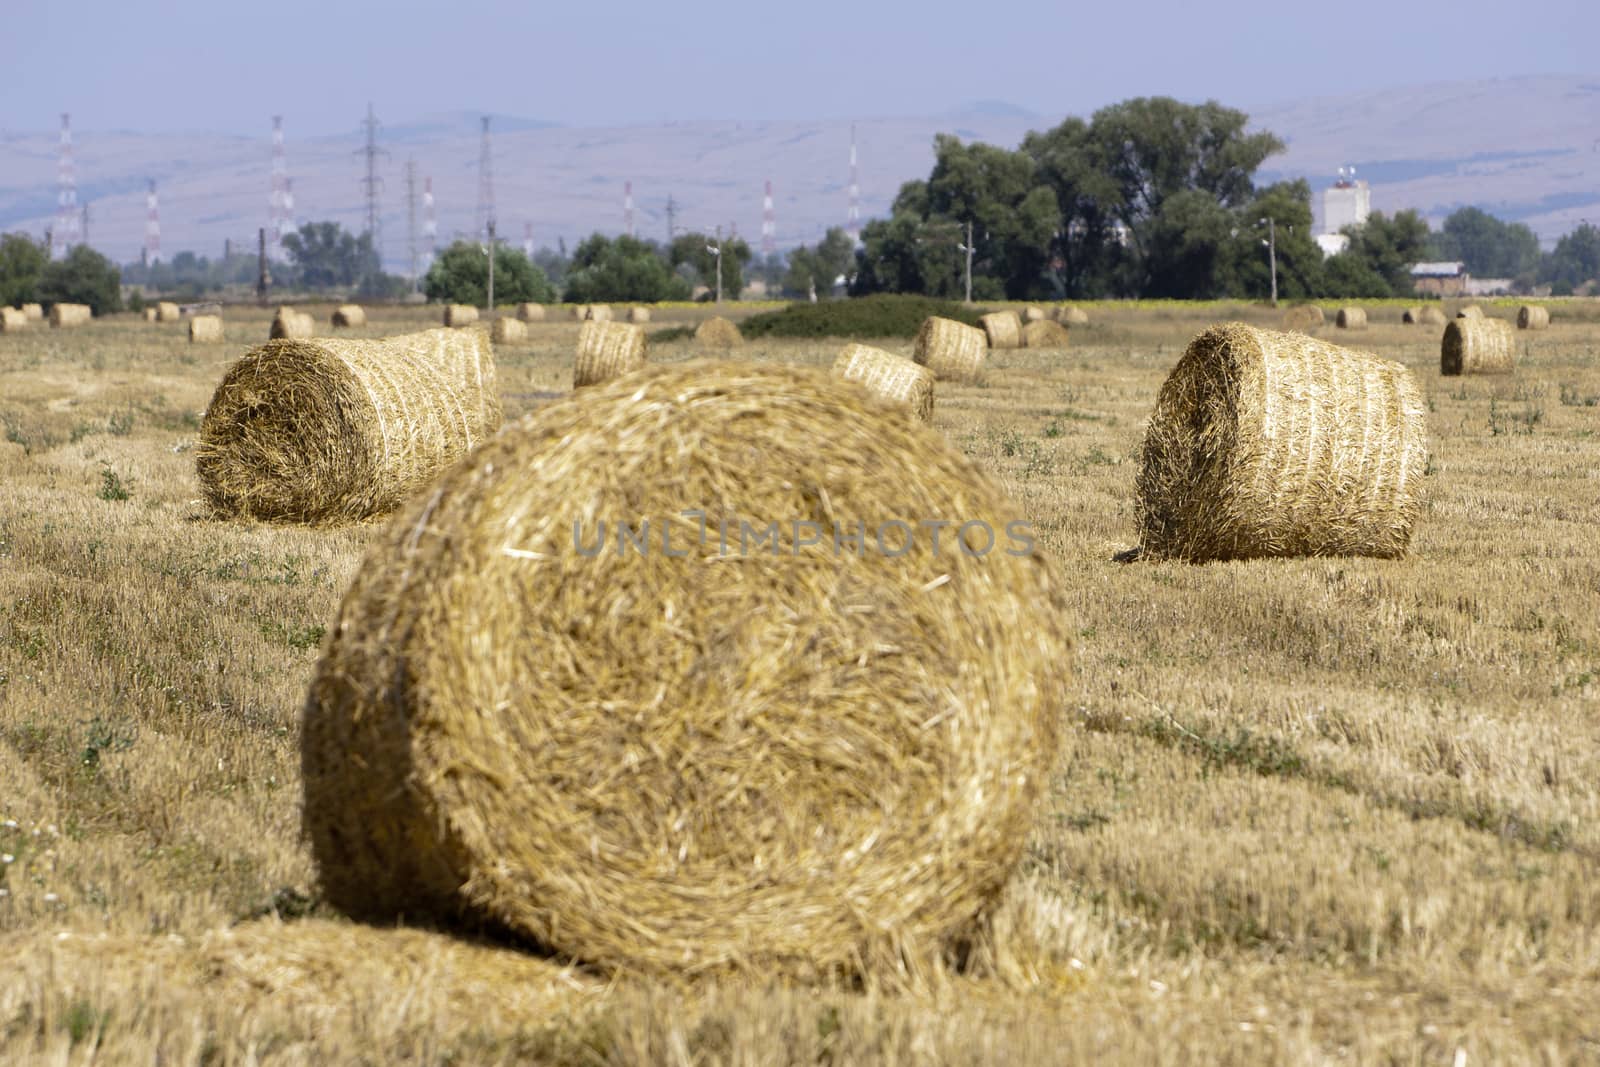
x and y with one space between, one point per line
1523 148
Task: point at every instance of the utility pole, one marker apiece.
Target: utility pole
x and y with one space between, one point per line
491 268
485 181
263 279
672 218
1272 254
411 219
967 248
717 251
627 208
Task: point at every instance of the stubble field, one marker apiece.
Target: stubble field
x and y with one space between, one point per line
1309 811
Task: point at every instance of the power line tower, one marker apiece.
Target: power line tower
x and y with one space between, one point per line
485 217
280 221
152 226
769 224
672 218
627 208
372 184
852 224
430 224
411 220
67 230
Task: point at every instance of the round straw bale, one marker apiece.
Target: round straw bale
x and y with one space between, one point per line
607 350
289 324
1032 314
205 329
1277 444
717 332
598 313
1425 315
954 351
33 312
580 312
151 315
1071 316
167 311
70 314
1411 316
12 319
1471 311
1002 329
1433 316
528 311
348 315
1351 318
460 314
814 758
639 315
888 376
336 430
1044 334
1533 317
506 330
1478 346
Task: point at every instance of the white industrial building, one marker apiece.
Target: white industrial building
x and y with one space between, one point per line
1347 202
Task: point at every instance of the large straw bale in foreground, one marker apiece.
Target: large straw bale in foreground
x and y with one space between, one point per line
70 314
1351 318
1478 346
12 319
888 377
1044 334
33 312
337 430
1276 444
167 311
952 350
289 324
607 350
506 330
1533 317
718 332
205 329
1002 329
812 759
528 311
346 316
460 314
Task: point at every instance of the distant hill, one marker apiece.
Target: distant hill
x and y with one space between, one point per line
1521 148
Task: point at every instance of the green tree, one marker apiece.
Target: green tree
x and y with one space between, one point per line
84 276
461 276
1300 261
832 258
327 256
607 269
694 250
1386 247
1575 260
1489 247
22 264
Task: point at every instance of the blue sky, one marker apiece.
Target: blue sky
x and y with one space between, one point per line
216 65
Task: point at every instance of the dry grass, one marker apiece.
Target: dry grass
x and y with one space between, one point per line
1306 811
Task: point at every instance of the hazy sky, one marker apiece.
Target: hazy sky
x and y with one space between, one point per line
224 66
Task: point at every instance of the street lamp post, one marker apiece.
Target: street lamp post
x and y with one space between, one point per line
716 250
1272 254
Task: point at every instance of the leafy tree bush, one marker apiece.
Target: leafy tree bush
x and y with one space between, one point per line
461 276
83 277
693 249
327 256
1575 261
1489 247
623 269
883 315
22 263
818 268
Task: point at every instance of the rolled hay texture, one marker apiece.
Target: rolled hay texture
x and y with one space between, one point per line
1351 318
598 313
151 315
1471 311
1411 316
1277 444
338 430
1032 314
34 312
1044 334
818 760
460 314
1423 316
205 329
1002 329
1071 316
12 319
718 332
70 314
607 350
580 312
167 311
1533 317
349 315
506 330
1478 346
888 377
953 351
289 324
528 311
639 315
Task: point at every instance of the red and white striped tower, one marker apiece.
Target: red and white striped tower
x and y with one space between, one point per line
852 225
627 208
527 239
152 227
69 218
281 219
769 224
430 225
